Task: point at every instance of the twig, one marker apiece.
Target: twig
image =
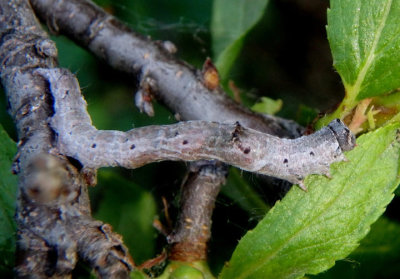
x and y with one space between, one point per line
193 228
177 84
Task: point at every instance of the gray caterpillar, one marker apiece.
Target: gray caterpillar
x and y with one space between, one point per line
248 149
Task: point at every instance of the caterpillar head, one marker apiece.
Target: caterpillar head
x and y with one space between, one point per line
345 138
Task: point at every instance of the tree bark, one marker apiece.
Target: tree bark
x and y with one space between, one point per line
53 211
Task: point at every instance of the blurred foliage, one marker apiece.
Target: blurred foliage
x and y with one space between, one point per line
284 56
239 190
8 192
377 256
267 106
129 209
231 21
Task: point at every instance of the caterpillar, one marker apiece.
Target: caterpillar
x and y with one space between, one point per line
248 149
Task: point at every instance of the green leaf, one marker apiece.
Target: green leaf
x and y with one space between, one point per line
365 42
130 210
364 36
231 21
8 195
308 232
267 106
376 257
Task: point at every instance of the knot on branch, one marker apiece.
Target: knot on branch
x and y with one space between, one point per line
210 75
46 48
145 95
49 182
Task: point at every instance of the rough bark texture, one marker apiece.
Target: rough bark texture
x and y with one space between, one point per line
178 85
53 213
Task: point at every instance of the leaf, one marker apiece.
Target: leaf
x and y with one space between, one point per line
308 232
376 257
129 209
8 195
231 21
267 106
364 37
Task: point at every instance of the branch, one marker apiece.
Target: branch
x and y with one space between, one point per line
193 229
181 87
53 210
248 149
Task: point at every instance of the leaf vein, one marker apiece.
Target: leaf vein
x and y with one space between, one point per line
355 88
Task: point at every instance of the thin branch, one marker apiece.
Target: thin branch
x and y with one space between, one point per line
248 149
178 85
193 229
53 204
